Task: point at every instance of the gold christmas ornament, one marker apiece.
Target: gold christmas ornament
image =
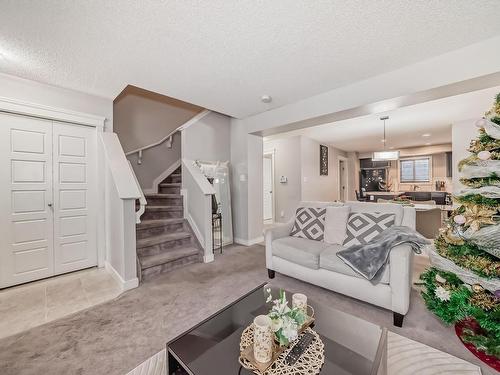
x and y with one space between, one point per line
477 215
476 288
450 237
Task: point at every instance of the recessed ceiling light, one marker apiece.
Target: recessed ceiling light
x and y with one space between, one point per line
266 98
382 140
426 135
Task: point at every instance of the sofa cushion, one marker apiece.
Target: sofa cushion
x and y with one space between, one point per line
362 227
309 223
336 224
299 250
390 208
329 260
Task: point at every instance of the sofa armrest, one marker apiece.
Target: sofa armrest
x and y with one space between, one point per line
409 217
401 274
271 234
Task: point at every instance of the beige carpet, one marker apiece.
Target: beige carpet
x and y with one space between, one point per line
113 338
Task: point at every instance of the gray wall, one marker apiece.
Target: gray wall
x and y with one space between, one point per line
352 175
462 132
246 184
314 186
297 158
239 180
209 139
287 162
38 93
142 118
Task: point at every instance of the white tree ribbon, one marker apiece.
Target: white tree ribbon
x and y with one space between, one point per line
481 168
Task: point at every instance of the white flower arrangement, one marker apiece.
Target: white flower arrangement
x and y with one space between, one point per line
442 294
286 321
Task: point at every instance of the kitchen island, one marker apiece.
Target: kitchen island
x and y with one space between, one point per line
438 196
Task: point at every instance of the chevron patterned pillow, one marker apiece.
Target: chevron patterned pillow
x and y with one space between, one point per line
309 223
362 227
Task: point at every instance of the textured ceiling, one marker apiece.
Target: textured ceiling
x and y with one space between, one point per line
222 54
405 126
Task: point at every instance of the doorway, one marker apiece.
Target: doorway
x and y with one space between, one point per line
343 195
268 185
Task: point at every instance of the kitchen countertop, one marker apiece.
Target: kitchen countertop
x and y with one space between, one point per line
427 207
401 192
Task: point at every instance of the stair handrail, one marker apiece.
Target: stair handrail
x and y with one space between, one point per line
142 199
169 136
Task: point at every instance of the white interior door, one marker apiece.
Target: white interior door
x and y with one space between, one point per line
75 194
268 188
26 218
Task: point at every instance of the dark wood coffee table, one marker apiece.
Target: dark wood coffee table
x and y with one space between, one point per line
352 345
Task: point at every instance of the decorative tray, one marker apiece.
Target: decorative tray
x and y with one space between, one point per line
246 346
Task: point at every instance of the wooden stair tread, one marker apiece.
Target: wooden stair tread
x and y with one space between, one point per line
164 208
155 240
155 223
170 184
166 257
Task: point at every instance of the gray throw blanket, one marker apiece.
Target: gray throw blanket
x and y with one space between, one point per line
371 259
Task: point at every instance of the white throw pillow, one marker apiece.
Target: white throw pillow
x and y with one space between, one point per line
336 224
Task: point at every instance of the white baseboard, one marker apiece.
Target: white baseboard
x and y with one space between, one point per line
149 191
208 258
125 285
250 242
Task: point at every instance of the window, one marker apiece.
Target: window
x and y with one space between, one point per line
415 170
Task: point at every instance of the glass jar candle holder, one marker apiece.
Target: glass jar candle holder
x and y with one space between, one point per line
299 301
262 339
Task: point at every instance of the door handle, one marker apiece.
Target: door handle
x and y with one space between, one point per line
49 204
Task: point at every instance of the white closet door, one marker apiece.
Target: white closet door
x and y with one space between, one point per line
75 194
268 188
26 221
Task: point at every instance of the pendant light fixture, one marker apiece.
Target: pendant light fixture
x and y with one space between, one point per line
385 155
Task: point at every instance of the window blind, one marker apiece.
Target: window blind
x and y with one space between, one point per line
415 170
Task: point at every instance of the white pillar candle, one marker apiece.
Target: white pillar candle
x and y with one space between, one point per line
299 301
262 339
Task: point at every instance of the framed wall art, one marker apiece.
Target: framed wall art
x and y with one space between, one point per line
323 160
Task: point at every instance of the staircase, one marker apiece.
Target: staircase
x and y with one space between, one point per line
165 240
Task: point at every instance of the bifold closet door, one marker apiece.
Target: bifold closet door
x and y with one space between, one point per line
26 215
75 194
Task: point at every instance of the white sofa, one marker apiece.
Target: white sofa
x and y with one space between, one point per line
316 262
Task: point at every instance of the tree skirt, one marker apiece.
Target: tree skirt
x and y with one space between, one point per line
471 324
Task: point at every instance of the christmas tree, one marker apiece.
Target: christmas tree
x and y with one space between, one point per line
463 285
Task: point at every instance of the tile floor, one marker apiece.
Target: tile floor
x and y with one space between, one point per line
30 305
